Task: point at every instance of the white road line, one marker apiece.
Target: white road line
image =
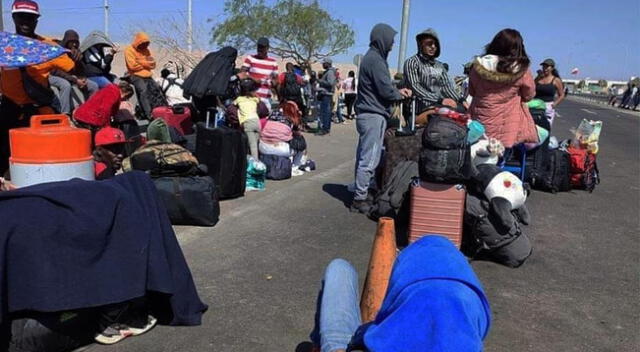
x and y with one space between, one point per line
589 112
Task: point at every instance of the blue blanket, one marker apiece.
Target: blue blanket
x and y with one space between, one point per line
434 302
79 244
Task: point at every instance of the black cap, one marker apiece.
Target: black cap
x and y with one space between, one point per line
549 62
263 42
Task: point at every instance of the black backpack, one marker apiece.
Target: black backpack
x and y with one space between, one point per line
291 89
445 156
172 82
557 176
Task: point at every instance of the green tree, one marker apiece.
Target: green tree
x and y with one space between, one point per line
298 30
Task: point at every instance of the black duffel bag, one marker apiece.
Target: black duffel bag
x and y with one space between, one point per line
190 200
445 156
278 167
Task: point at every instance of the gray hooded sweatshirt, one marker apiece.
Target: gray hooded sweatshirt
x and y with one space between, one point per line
376 91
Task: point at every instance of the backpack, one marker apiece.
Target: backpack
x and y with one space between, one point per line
162 159
584 169
445 156
278 167
557 175
291 88
172 82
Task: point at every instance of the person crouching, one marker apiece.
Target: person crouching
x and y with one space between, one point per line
96 112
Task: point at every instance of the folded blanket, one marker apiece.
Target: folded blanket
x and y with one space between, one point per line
79 244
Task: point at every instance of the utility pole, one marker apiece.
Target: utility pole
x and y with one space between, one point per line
1 16
189 25
106 17
403 33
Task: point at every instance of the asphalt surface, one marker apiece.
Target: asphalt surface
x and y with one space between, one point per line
260 268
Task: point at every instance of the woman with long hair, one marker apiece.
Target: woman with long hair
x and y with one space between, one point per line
549 88
350 93
501 83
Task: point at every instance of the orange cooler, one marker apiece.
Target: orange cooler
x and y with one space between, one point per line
50 150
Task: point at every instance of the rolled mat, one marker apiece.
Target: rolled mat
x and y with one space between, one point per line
383 254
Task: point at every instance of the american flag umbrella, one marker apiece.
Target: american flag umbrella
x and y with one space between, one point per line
19 51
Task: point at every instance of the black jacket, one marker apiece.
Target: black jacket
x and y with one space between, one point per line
211 76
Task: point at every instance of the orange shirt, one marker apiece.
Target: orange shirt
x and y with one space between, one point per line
139 61
11 79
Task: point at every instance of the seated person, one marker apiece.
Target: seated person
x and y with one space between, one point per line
108 153
172 88
427 77
63 80
98 52
97 112
140 65
434 302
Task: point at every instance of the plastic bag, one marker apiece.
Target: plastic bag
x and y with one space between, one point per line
256 175
587 135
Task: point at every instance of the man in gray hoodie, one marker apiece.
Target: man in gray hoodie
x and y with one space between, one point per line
376 93
327 83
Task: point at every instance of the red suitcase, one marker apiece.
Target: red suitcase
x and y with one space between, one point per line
436 209
178 117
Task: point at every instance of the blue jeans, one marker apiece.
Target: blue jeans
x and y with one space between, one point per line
338 310
325 112
101 81
339 117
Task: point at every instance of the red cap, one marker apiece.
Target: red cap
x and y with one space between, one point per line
109 135
25 6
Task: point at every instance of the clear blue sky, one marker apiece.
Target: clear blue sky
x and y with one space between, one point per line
601 38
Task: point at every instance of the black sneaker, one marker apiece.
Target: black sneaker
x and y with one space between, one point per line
360 206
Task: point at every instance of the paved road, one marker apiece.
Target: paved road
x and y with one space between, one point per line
259 269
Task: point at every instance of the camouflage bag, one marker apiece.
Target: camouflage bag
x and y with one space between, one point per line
162 159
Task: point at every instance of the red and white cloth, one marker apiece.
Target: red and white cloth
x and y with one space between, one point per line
263 70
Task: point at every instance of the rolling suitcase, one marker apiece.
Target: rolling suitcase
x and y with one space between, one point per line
224 151
436 209
178 117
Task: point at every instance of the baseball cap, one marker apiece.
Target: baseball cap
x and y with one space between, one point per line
549 62
327 60
25 6
109 135
263 41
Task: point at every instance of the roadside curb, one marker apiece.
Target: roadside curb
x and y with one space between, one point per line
601 104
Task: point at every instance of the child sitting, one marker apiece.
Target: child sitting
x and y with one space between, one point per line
96 112
247 104
109 152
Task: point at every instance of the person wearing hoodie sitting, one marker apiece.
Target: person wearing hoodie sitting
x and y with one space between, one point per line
98 52
501 83
65 80
434 302
140 66
427 77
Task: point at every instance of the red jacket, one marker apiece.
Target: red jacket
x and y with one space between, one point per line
97 111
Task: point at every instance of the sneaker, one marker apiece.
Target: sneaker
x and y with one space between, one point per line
296 172
141 328
112 334
360 206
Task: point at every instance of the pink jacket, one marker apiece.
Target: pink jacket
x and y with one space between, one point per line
498 100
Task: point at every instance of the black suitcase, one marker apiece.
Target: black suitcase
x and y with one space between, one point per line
190 200
224 151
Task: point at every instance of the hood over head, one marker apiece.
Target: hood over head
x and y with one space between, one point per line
139 39
381 38
487 67
431 33
95 38
69 36
434 302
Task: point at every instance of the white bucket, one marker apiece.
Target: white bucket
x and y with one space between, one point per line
23 175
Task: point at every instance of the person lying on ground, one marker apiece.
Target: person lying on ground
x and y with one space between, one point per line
97 112
434 302
427 77
76 77
98 52
108 152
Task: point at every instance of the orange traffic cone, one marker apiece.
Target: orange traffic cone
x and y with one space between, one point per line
383 254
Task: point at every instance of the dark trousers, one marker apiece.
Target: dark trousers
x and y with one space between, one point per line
14 116
149 94
325 112
349 101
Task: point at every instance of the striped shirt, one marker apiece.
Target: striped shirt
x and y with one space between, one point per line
262 70
429 81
